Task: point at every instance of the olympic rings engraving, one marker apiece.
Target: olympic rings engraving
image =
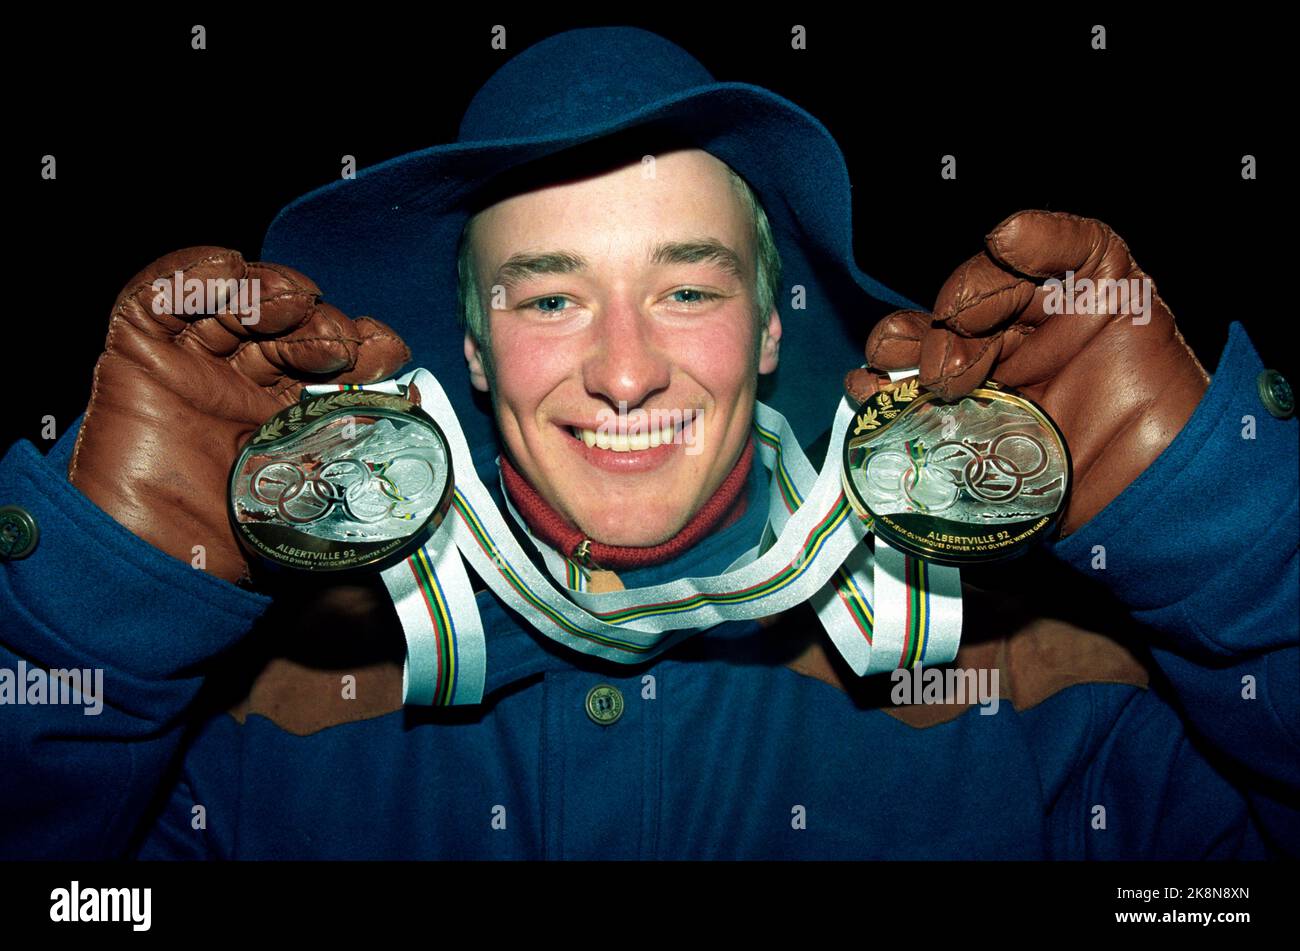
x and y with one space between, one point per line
366 492
987 475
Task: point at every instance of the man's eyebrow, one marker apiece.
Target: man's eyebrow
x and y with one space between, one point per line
708 250
519 267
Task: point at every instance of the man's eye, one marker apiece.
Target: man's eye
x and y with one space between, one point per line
700 296
538 304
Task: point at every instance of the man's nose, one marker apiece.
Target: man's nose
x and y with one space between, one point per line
626 362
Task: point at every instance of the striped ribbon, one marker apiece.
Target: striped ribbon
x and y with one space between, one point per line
881 609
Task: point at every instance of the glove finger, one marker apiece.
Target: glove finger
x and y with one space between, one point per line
326 342
213 295
156 299
895 342
861 384
1046 244
980 296
952 365
329 348
380 353
277 299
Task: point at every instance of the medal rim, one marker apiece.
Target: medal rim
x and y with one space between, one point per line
990 390
413 541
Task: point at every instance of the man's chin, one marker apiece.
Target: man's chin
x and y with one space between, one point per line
639 539
624 528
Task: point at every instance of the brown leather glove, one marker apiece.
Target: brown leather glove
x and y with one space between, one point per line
1119 386
174 396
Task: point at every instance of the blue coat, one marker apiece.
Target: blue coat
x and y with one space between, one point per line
722 750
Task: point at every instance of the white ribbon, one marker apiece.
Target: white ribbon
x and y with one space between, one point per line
881 610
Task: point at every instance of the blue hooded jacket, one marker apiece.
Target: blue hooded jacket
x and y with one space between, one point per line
722 751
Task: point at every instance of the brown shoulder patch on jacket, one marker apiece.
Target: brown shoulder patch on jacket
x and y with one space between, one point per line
1036 650
293 666
302 699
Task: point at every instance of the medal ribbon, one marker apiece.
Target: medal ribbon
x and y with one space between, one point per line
882 610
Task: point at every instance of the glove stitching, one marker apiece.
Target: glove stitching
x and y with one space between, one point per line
182 338
189 332
945 377
955 320
284 387
340 339
94 387
1003 254
882 340
208 259
189 327
292 278
1178 334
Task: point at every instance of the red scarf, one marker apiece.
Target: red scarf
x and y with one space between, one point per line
726 505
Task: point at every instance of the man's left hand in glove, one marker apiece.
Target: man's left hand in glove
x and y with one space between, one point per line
1111 369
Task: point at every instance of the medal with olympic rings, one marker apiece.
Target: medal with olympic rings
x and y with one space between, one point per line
348 481
977 479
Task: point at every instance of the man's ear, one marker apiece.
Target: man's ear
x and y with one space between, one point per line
769 344
477 375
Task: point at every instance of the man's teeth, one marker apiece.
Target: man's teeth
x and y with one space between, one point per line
629 443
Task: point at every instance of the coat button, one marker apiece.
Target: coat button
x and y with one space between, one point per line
1275 393
604 704
18 533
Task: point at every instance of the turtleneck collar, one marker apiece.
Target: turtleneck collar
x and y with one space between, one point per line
724 507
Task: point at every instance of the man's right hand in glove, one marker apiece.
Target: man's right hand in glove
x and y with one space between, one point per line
175 395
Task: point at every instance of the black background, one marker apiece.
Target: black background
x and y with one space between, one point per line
978 904
161 147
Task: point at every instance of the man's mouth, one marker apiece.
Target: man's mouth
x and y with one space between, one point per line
627 453
632 442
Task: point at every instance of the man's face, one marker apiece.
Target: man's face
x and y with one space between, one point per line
585 320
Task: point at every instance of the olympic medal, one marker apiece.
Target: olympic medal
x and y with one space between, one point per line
977 479
341 482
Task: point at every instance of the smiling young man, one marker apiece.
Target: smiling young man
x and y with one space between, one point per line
630 303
